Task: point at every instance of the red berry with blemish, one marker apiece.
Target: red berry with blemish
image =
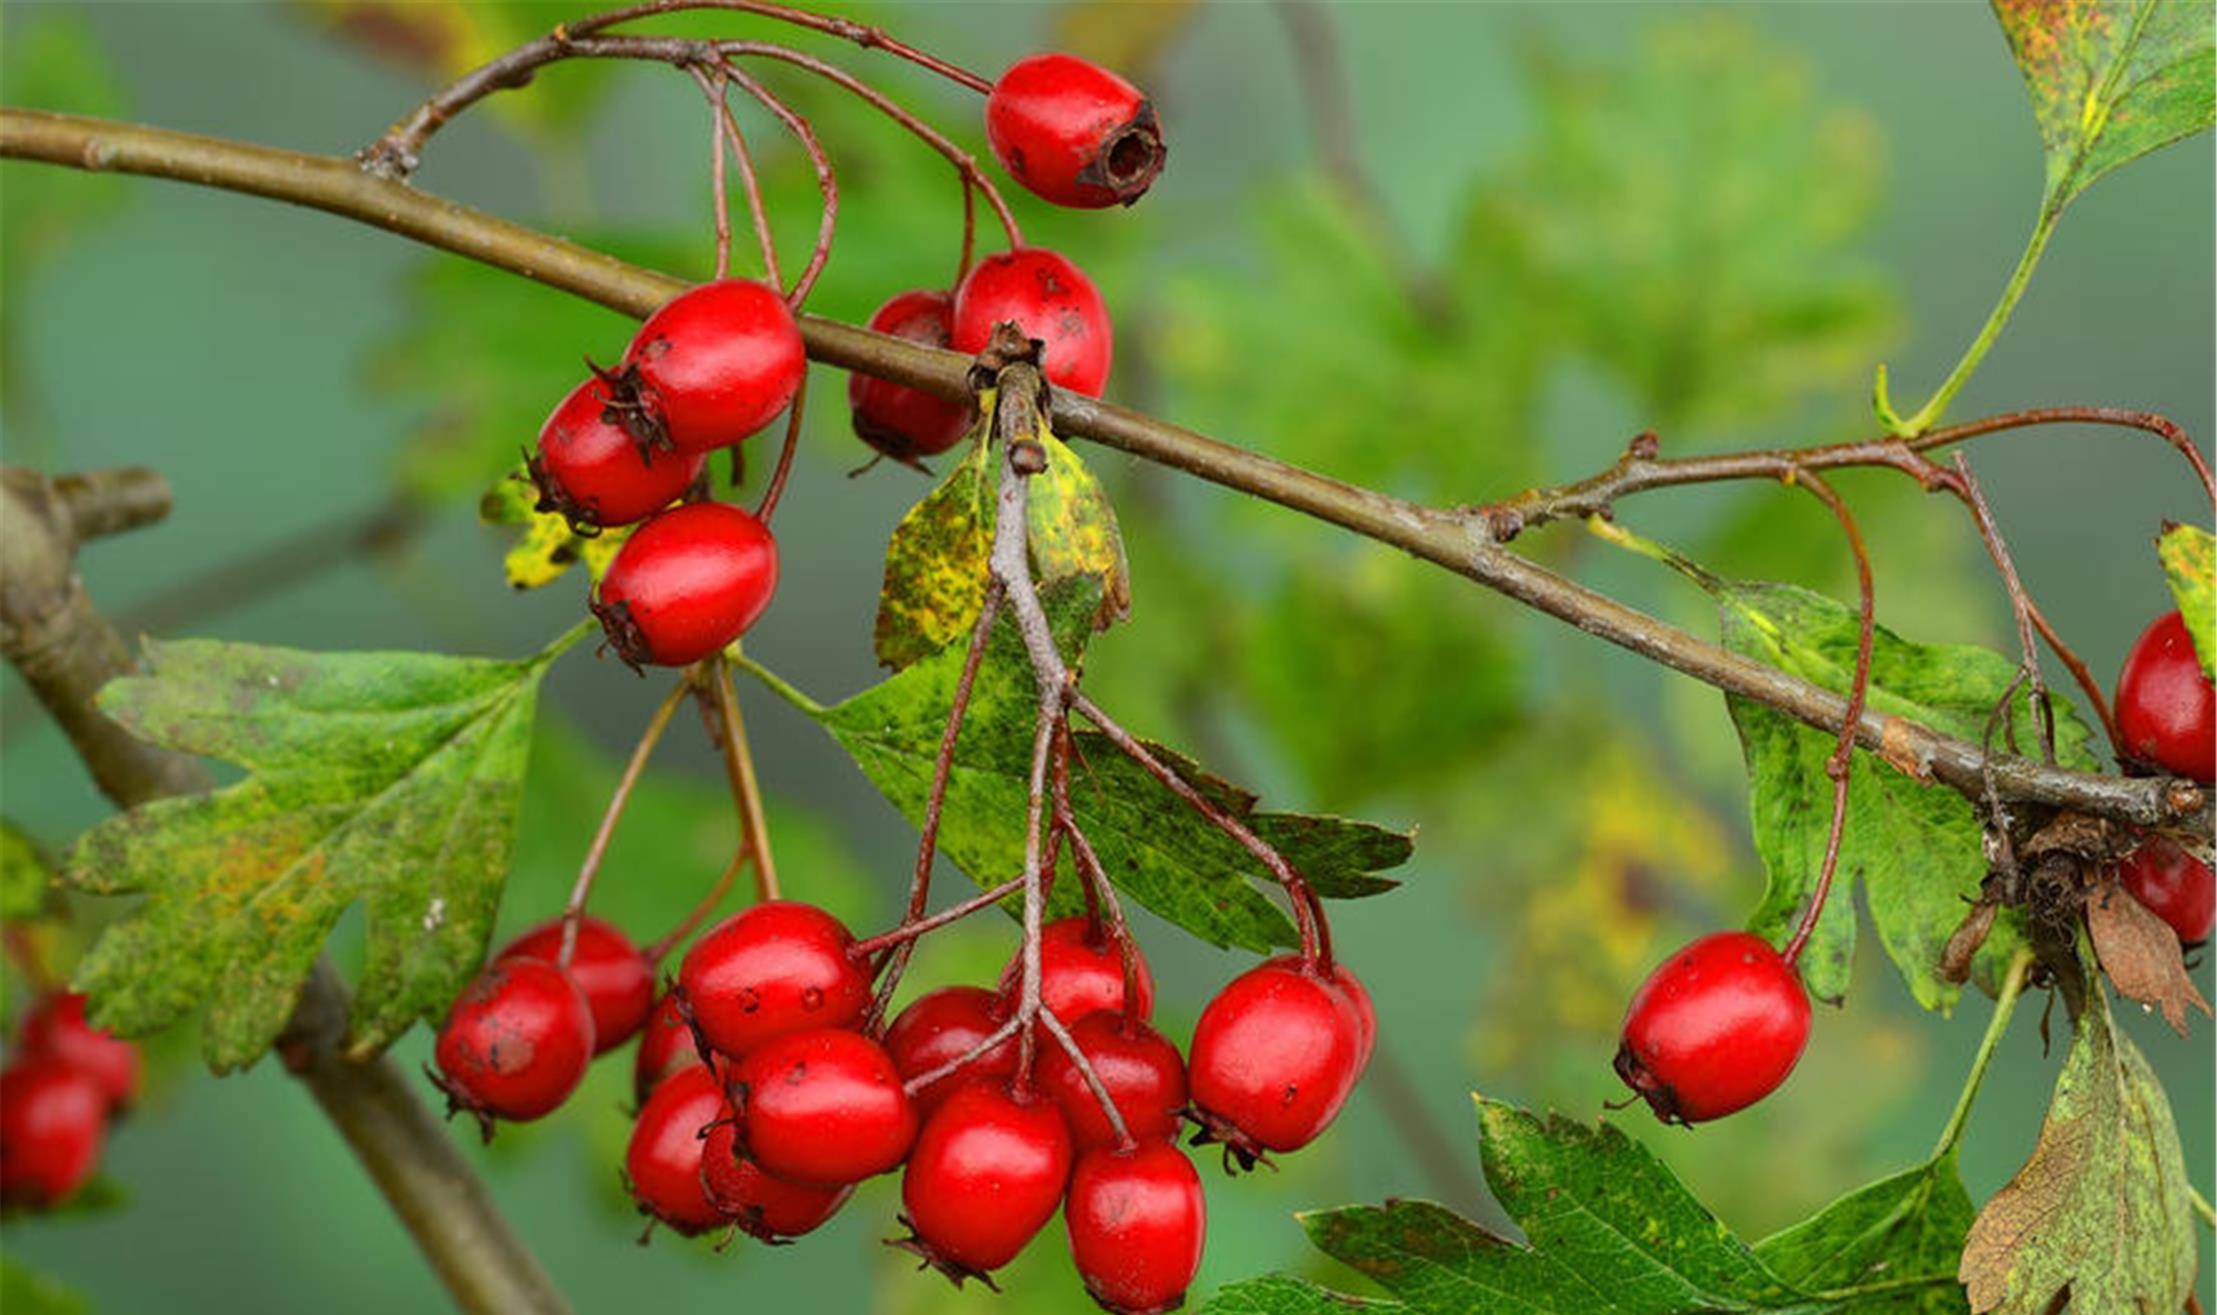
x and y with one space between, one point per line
1137 1222
687 583
1138 1066
666 1045
1049 299
714 365
616 978
662 1162
985 1176
1080 971
1274 1057
1716 1028
53 1123
55 1025
595 473
940 1027
823 1107
2166 707
2177 886
1073 132
902 422
516 1043
762 1204
771 970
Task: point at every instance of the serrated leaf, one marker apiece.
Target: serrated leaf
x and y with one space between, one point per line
25 875
1911 1224
548 544
2189 555
386 779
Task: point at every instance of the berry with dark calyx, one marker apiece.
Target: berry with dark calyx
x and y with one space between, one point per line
1138 1222
53 1123
1073 132
1714 1029
902 422
596 474
1080 971
823 1107
663 1161
515 1044
715 364
2178 887
55 1025
985 1176
666 1045
1048 298
616 978
767 971
940 1027
760 1203
1274 1057
687 583
1139 1067
2166 707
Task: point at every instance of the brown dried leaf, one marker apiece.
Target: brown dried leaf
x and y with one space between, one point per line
2141 954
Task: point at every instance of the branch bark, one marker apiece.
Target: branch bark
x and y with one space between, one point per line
1469 544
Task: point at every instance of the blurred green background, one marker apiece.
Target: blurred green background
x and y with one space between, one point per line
1712 222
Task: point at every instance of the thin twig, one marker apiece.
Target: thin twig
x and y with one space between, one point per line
582 888
827 183
1090 1075
730 731
727 130
698 914
2020 604
909 931
776 487
1101 899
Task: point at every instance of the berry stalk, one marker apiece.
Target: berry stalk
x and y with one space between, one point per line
582 888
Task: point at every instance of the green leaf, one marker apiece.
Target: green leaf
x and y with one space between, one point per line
25 875
1283 1294
389 779
2110 80
26 1291
1903 1227
2189 555
549 545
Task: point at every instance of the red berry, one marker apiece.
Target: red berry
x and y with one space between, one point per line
1080 972
715 364
53 1120
1073 132
687 583
777 968
1358 995
1138 1066
56 1026
1049 299
1274 1057
1137 1223
986 1175
2166 707
763 1204
902 422
1716 1028
823 1107
2176 885
593 472
940 1027
666 1045
663 1160
616 978
516 1043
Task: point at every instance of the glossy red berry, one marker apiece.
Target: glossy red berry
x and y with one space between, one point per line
2177 886
663 1160
771 970
759 1202
1137 1222
1358 995
1274 1057
616 978
1073 132
595 473
1049 299
823 1107
985 1176
908 423
2166 707
1080 971
516 1043
55 1025
687 583
715 364
53 1122
940 1027
1716 1028
666 1045
1140 1068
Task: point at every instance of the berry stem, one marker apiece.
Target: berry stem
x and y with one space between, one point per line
909 931
598 849
23 950
716 88
999 1036
864 35
776 488
1100 893
827 182
1093 1083
720 703
698 914
2020 606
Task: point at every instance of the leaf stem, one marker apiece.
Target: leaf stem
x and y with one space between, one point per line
1929 414
2202 1208
598 849
2005 1003
731 739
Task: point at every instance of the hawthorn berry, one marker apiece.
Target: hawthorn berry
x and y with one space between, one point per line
516 1043
666 1045
663 1161
940 1027
1049 299
776 968
762 1204
55 1025
1274 1057
1137 1221
53 1123
616 978
1136 1064
2177 886
1080 971
1358 995
823 1107
1714 1029
595 473
1073 132
687 583
715 364
985 1176
908 423
2166 707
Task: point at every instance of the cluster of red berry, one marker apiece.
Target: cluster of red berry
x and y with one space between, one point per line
67 1081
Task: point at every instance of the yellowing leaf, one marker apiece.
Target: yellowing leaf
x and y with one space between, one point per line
548 545
935 565
2189 555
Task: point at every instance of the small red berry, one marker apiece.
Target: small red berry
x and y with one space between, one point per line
1049 299
759 1202
516 1043
1359 995
823 1107
715 364
663 1160
777 968
596 474
940 1027
1080 972
666 1045
2176 885
1716 1028
53 1121
902 422
2166 707
1274 1057
56 1026
1137 1223
687 583
985 1176
1073 132
616 978
1140 1068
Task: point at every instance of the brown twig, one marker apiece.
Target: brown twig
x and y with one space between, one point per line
2020 604
909 931
582 888
723 128
827 182
1102 903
